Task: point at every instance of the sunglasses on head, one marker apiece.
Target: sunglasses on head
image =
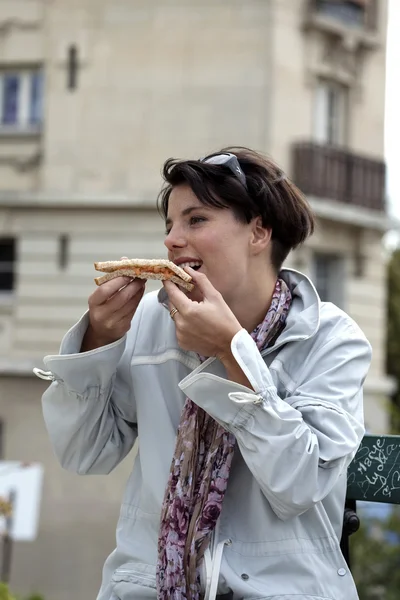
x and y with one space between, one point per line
226 159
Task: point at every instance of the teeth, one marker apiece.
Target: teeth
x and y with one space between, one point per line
190 264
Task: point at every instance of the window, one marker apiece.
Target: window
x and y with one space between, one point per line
352 13
21 99
7 264
63 251
331 113
329 277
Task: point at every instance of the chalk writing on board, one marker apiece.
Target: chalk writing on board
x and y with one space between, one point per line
376 470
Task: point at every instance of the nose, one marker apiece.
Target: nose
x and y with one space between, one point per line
175 239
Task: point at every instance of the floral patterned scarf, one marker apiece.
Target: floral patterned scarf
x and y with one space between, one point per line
198 479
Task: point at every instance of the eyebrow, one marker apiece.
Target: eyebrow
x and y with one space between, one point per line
185 212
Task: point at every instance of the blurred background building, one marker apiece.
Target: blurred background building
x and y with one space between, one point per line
94 96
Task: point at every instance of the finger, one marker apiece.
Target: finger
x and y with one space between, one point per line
202 282
108 289
176 297
178 320
124 296
129 309
175 312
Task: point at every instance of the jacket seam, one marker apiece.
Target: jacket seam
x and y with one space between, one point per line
289 379
285 539
85 395
134 341
136 336
101 394
243 416
286 552
171 354
283 596
319 402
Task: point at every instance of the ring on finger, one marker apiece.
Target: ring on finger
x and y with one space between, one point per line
173 313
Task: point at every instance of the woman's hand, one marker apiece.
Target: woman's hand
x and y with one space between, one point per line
205 327
111 309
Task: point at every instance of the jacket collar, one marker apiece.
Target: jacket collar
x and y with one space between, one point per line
304 314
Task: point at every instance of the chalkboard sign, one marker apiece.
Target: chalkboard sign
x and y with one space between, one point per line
374 474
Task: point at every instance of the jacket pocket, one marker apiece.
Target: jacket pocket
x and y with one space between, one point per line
134 581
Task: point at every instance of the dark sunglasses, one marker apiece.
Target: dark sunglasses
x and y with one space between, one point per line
227 160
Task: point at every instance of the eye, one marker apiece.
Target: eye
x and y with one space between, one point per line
196 220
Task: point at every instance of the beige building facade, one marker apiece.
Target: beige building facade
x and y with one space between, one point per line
95 95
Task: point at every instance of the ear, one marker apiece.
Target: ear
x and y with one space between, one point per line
260 236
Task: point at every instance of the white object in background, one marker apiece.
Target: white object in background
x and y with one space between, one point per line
25 481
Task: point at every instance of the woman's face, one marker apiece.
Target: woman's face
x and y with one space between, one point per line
209 237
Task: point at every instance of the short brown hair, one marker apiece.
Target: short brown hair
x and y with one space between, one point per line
270 194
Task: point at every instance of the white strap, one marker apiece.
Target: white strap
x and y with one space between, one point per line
216 568
46 375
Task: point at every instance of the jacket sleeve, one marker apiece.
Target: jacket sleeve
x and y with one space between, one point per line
296 447
89 409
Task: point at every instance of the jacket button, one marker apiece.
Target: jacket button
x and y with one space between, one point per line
342 572
244 576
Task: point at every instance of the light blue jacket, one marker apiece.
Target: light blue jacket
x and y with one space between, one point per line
279 531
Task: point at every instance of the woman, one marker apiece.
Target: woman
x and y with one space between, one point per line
250 384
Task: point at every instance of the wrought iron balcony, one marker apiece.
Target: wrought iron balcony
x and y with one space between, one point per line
332 173
361 14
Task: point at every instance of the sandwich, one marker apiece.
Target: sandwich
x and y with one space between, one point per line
144 269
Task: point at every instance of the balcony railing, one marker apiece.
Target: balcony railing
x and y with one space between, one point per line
351 13
335 174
